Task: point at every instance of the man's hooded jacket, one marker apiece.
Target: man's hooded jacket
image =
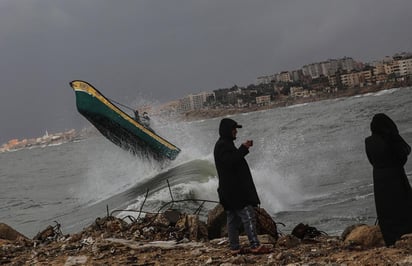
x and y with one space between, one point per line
236 187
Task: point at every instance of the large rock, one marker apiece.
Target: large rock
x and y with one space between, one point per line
265 224
45 234
8 233
364 235
349 229
217 227
157 219
288 241
194 228
172 216
216 222
405 242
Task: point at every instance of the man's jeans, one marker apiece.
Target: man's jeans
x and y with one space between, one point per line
235 218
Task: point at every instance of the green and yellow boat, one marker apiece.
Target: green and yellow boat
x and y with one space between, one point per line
119 127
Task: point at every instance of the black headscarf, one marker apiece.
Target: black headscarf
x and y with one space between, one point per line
383 126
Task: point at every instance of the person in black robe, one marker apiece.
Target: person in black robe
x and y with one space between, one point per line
387 151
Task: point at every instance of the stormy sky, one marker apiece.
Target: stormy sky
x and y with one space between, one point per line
157 51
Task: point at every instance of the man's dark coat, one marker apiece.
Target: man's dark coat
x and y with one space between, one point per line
236 187
388 152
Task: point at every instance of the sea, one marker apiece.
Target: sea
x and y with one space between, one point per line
308 163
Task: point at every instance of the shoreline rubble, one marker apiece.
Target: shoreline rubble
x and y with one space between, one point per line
155 240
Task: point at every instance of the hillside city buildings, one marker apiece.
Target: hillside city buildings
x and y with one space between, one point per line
311 80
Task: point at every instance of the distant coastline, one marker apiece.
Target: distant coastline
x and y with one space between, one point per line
46 140
287 101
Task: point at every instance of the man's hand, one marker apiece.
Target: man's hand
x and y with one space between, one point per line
248 143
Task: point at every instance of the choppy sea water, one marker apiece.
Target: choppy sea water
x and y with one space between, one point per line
308 162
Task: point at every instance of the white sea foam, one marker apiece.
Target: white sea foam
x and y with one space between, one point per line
110 171
276 191
389 91
297 105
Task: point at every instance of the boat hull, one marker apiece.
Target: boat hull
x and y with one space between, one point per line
118 126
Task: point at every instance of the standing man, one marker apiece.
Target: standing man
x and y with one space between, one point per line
237 192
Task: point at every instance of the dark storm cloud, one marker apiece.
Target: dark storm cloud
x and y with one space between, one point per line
164 50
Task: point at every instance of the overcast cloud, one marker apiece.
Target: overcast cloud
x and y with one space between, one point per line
163 50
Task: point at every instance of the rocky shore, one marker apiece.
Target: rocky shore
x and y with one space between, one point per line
174 238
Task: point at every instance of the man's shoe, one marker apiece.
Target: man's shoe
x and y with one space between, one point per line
260 250
235 252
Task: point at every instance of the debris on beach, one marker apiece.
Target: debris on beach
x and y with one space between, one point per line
175 238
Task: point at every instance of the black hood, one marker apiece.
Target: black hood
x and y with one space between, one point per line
226 126
384 126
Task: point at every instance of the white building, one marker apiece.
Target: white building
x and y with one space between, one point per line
263 100
265 79
404 67
193 101
296 91
328 68
285 76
